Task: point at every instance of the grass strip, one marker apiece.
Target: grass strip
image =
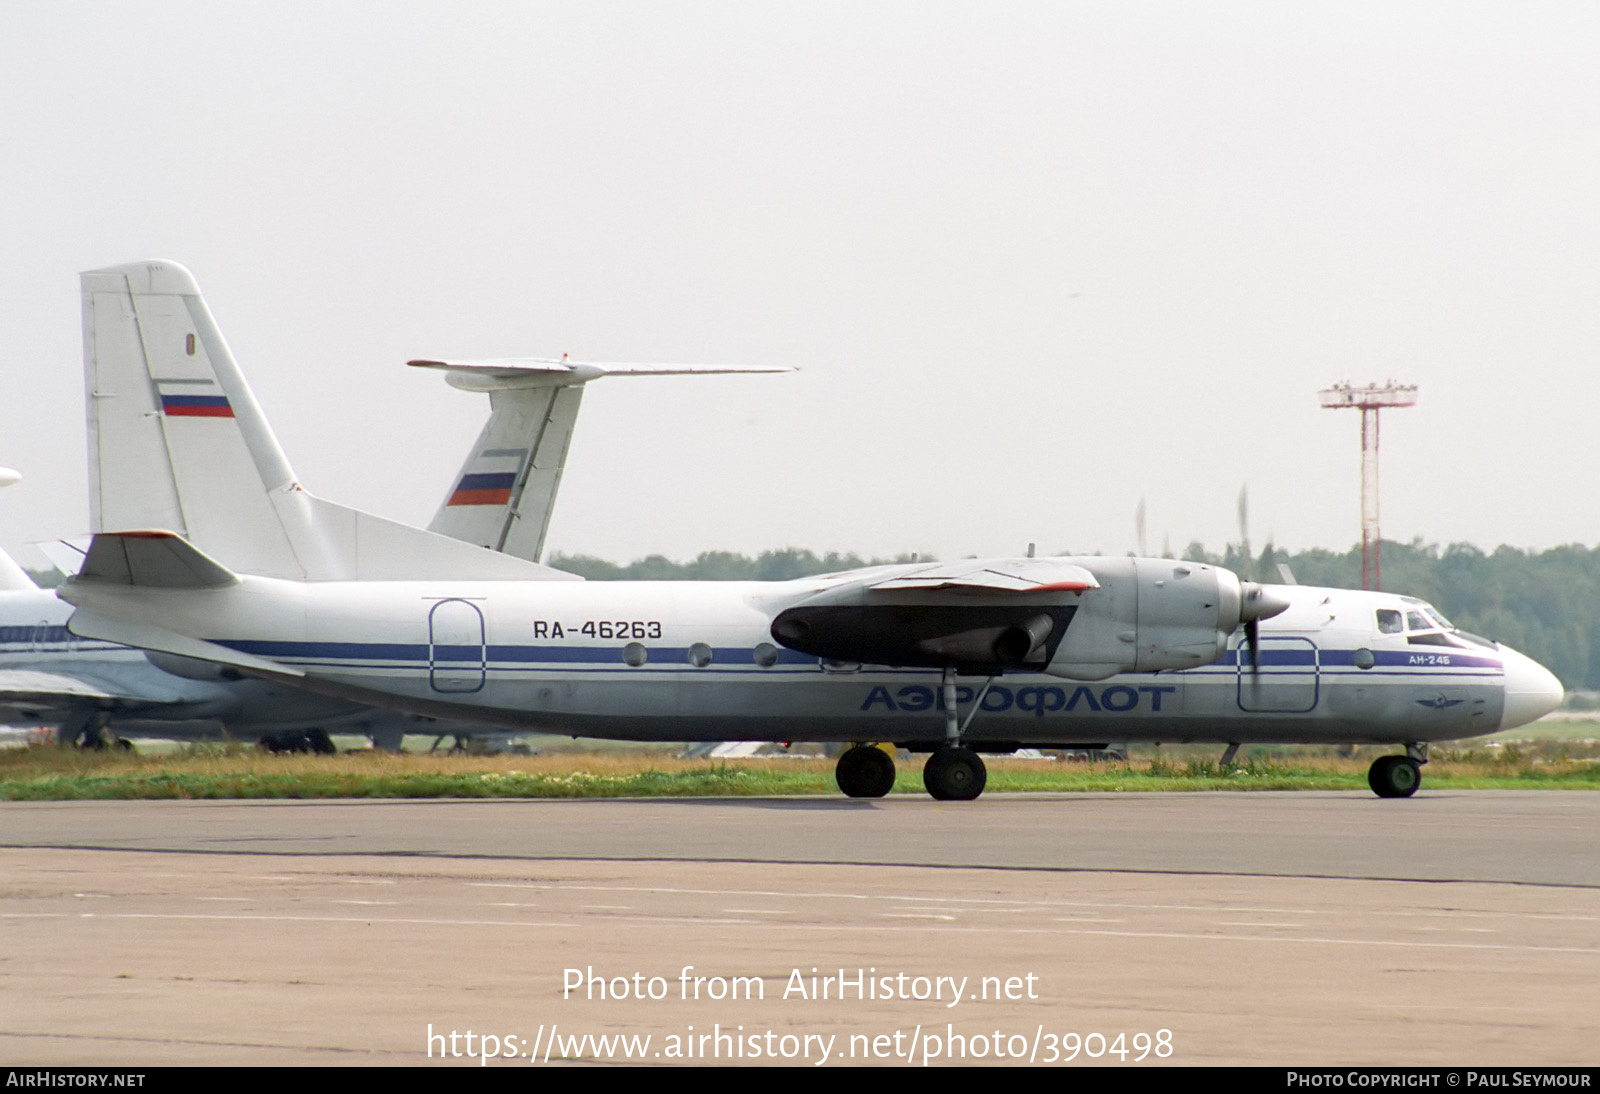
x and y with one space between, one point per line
51 774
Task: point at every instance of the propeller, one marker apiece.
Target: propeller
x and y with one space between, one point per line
1257 602
1244 530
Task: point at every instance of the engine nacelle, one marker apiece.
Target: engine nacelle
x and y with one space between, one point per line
1157 614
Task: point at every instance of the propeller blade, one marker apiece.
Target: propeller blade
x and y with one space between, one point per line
1244 531
1257 603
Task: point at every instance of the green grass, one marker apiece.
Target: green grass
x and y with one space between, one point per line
47 773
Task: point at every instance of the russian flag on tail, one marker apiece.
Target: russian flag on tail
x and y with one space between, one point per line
491 488
196 406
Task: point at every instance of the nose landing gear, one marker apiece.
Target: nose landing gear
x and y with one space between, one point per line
1398 776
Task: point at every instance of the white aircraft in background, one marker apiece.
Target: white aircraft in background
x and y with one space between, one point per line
98 692
1064 652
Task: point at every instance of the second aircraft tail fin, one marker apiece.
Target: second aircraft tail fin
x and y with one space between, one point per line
505 493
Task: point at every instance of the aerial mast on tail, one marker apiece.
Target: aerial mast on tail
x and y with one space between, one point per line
1369 400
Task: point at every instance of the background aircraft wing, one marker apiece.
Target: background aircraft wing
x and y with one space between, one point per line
36 695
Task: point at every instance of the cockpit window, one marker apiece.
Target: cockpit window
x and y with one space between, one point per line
1435 639
1416 621
1389 621
1440 621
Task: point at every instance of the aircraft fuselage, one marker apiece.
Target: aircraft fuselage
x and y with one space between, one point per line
697 661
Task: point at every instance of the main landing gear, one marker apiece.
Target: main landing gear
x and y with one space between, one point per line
954 773
1398 776
951 774
865 771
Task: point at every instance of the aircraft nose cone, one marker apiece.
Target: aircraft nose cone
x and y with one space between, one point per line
1532 691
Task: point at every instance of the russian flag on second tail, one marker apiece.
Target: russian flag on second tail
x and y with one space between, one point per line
490 488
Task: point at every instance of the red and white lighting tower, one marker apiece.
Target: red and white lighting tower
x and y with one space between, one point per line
1369 400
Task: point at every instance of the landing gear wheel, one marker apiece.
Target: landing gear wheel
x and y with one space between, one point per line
954 774
865 771
1394 776
320 743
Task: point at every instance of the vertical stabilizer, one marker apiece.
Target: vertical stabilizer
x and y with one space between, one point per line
506 490
14 578
176 440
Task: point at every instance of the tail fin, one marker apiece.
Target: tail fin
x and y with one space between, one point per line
13 578
506 491
177 442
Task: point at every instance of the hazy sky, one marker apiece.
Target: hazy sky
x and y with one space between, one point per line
1035 261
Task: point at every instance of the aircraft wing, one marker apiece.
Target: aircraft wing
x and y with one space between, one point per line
29 695
988 614
1043 575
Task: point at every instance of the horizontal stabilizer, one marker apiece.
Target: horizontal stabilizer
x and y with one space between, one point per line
86 622
66 555
504 373
1023 575
157 559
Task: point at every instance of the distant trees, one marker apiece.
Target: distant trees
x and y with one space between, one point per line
722 566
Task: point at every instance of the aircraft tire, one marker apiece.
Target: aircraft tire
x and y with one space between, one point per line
320 742
954 774
1394 776
865 771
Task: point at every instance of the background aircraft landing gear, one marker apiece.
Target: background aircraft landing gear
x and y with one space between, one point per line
92 732
1394 776
954 773
865 771
294 740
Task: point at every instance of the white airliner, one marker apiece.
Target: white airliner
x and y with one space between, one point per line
97 692
952 658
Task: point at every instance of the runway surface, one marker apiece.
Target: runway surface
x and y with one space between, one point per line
1280 928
